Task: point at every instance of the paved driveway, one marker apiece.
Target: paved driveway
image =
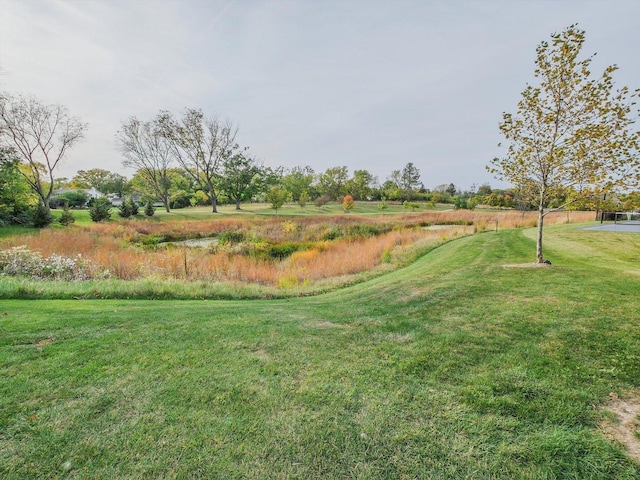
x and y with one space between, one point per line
633 227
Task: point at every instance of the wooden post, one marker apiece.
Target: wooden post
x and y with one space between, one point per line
186 269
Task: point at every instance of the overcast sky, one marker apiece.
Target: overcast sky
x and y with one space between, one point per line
364 83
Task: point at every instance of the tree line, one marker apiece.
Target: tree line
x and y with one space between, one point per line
571 144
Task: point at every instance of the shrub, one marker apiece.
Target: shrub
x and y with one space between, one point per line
100 210
363 230
67 217
289 281
265 250
332 233
231 236
153 240
41 216
77 199
58 202
410 205
289 227
149 210
181 200
278 251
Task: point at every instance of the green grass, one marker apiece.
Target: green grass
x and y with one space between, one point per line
262 209
453 367
14 230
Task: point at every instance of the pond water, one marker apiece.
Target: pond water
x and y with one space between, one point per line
206 242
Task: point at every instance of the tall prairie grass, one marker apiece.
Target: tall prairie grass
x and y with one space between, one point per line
339 245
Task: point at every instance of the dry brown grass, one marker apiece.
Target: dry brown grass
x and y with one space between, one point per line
112 246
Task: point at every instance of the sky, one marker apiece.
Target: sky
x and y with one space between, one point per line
367 84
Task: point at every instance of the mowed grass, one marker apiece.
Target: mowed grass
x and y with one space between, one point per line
453 367
263 209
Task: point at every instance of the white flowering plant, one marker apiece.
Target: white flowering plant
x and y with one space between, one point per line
22 262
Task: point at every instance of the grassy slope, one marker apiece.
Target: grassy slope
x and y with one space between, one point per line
454 367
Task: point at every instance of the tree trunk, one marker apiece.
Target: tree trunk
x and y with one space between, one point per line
214 204
539 257
238 205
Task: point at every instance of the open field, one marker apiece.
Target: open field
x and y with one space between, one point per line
452 367
251 210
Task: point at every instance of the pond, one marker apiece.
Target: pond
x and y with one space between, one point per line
206 242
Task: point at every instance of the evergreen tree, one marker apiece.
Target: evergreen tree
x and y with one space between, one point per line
41 216
100 210
67 217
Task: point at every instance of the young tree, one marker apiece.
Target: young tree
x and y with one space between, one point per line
149 210
124 210
321 201
200 145
40 135
571 131
67 217
146 150
347 203
277 196
100 210
303 199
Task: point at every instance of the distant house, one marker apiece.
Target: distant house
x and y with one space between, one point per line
116 201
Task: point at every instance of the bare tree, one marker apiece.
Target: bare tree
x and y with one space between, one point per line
200 145
40 135
150 153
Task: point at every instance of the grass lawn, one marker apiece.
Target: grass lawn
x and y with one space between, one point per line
261 209
453 367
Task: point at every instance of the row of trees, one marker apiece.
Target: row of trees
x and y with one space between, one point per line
193 156
572 140
205 149
245 180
